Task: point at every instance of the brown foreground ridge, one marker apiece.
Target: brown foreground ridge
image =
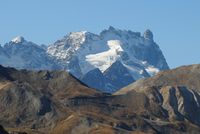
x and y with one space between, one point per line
55 102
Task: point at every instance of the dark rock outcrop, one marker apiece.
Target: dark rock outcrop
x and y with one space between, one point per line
2 130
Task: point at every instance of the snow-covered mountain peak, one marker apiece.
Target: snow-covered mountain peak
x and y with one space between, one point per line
101 51
81 52
81 37
77 34
76 37
71 43
19 43
18 39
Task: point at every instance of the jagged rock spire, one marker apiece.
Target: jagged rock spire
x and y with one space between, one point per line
148 34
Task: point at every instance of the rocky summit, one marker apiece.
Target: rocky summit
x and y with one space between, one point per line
55 102
83 53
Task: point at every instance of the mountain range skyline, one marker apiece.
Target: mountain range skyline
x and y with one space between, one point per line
115 57
173 26
20 37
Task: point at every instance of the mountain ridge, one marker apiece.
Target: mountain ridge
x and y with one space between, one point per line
40 102
81 52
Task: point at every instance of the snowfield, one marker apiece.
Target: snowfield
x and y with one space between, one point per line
105 59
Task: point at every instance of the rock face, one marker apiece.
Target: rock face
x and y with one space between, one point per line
148 34
55 102
181 103
94 79
27 98
116 76
177 91
182 76
82 52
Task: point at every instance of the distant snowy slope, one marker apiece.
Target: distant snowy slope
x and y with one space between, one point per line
26 55
111 56
3 55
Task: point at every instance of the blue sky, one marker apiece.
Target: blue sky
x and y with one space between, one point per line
175 23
